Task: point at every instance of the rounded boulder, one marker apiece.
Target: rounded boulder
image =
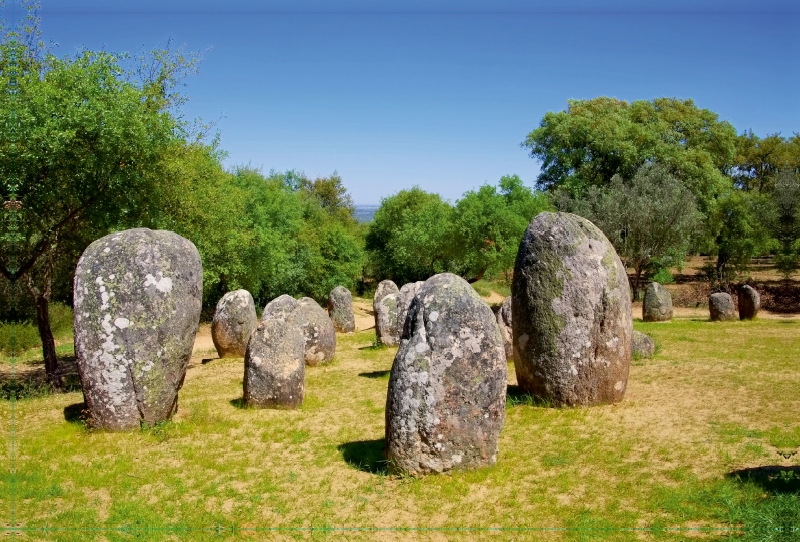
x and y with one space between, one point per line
137 301
318 332
234 320
643 345
387 324
445 405
274 365
721 307
657 305
571 303
504 322
749 302
280 308
404 299
340 309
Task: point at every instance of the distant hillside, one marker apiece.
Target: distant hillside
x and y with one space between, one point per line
364 213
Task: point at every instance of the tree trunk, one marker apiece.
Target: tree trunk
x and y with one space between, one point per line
479 276
637 279
41 300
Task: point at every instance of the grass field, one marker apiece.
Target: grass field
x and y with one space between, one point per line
692 452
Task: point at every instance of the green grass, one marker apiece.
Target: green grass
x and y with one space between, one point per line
691 450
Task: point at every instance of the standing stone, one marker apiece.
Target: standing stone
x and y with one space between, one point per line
280 308
446 401
318 332
387 324
340 309
657 306
504 322
572 323
274 365
643 345
137 300
749 302
385 288
234 320
404 299
721 307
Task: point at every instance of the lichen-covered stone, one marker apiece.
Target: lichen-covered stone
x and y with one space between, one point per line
280 308
318 332
404 299
643 345
504 322
572 325
274 365
657 306
387 324
749 302
234 320
445 405
385 287
137 300
721 307
340 309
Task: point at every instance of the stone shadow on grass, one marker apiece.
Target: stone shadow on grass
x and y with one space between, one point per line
516 396
376 374
365 455
238 403
76 413
774 479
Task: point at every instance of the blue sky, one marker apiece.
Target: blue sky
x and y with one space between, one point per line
441 93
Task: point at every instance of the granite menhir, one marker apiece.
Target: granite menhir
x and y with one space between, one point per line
234 320
137 300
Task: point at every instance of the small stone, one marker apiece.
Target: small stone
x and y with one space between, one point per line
320 337
234 320
274 365
504 322
720 307
749 302
340 309
445 405
657 306
643 345
280 308
137 300
387 325
572 323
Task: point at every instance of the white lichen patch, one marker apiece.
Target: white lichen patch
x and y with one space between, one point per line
163 284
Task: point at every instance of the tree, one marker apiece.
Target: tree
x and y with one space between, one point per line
410 235
593 140
787 221
84 154
489 224
649 219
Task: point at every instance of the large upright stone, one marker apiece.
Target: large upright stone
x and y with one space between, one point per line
504 321
274 365
749 302
404 299
657 306
385 287
446 401
320 337
387 324
281 308
234 320
137 300
571 303
721 307
340 309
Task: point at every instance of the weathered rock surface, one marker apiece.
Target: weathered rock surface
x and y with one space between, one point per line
274 365
385 287
234 320
404 299
446 401
572 324
340 309
643 345
387 324
279 308
721 307
504 323
318 332
657 306
749 302
137 300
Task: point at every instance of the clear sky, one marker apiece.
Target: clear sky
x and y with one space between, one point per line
440 93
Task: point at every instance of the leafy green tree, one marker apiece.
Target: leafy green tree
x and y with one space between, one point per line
489 223
593 140
409 238
759 160
787 221
650 219
84 154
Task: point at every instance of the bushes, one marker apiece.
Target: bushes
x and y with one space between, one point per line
17 337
